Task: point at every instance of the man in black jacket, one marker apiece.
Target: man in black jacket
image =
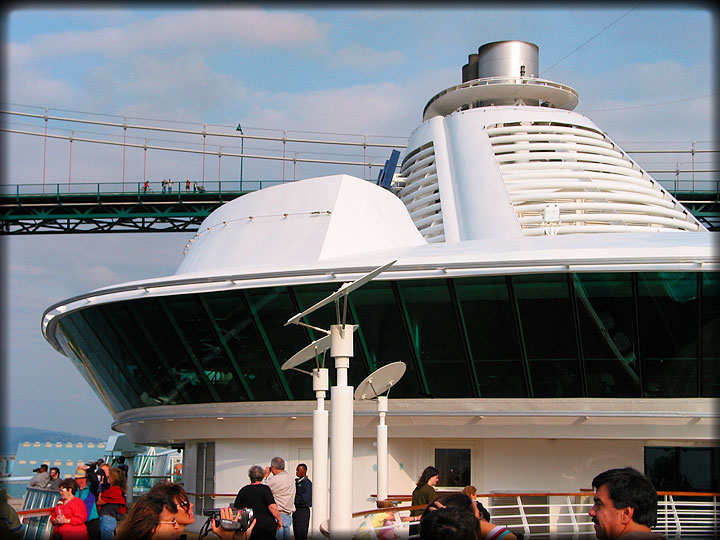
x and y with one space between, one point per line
303 502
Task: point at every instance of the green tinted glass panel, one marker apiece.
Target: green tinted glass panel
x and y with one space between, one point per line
606 313
492 336
710 328
382 336
669 321
465 338
548 329
204 349
245 343
433 329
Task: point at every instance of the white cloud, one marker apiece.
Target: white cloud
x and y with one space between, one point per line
200 29
366 59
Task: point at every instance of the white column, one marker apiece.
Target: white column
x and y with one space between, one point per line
341 434
320 452
382 450
130 480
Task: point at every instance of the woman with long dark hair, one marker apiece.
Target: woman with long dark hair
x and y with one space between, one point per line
424 492
111 503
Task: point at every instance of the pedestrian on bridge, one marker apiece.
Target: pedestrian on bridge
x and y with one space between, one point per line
187 185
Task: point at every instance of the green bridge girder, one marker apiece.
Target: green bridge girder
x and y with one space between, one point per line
65 213
180 211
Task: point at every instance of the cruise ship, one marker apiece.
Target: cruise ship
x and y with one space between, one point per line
555 308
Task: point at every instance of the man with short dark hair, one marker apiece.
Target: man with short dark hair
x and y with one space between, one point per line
55 479
624 506
41 478
303 502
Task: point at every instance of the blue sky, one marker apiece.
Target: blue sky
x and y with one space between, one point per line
275 66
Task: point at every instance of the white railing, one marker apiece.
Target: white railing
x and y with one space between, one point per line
563 515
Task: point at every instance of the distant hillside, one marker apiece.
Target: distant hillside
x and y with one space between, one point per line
10 437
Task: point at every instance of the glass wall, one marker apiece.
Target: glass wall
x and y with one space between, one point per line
544 335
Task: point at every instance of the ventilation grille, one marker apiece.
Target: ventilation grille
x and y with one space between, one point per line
565 179
420 193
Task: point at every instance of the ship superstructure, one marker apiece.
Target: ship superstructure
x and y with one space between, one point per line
552 302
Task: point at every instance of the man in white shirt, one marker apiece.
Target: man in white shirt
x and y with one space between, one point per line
282 486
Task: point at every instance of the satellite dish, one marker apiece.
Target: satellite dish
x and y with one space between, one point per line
315 349
380 381
343 291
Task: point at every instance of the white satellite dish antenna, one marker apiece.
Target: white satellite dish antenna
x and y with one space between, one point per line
344 290
341 397
374 385
314 350
380 381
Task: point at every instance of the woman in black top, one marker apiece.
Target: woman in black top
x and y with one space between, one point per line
258 496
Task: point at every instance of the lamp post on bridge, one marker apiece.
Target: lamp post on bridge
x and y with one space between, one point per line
242 151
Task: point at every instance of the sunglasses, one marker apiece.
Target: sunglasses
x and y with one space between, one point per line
185 505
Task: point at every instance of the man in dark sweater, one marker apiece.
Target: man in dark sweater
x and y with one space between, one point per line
303 502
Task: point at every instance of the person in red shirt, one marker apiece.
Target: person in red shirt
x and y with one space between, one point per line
111 503
69 515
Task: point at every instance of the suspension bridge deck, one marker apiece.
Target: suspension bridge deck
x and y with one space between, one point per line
105 208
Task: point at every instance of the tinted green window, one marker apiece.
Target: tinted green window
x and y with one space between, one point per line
669 321
432 329
548 329
606 315
546 335
245 342
381 336
492 336
710 329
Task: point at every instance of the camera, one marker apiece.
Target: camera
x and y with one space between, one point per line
246 517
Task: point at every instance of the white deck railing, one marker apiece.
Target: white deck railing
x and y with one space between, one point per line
681 515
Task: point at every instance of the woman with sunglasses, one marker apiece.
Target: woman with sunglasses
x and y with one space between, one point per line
69 514
176 493
152 517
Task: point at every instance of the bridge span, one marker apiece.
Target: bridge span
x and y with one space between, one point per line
115 207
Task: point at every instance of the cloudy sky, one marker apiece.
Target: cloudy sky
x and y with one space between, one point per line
644 74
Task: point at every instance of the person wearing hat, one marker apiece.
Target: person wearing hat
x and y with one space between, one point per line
41 478
93 522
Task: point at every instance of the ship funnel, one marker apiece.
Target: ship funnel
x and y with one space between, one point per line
502 73
508 59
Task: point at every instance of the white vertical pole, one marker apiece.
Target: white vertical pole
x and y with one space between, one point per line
382 450
320 452
130 480
341 434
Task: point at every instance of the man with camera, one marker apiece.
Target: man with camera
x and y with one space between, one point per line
41 478
282 486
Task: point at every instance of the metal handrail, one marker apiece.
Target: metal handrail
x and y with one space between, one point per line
565 515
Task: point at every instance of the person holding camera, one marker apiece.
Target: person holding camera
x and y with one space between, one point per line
226 514
41 478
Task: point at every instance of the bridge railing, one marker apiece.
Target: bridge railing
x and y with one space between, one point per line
235 186
118 188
